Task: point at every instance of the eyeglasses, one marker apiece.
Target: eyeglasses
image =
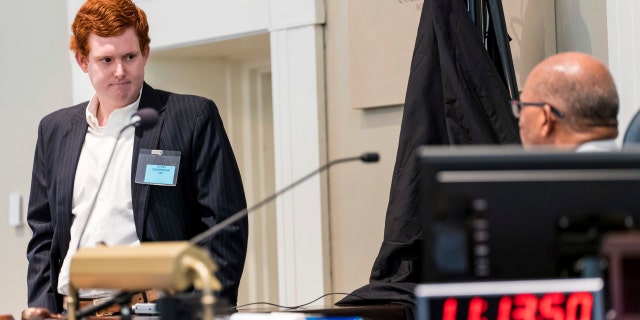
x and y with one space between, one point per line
517 105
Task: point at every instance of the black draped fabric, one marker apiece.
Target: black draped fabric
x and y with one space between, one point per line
454 96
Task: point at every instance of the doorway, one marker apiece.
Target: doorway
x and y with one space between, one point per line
236 75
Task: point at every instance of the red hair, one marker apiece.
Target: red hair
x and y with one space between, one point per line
107 18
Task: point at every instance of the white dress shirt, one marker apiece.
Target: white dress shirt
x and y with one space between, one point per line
598 146
111 222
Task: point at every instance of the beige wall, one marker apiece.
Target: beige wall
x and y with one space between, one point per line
359 193
582 26
34 80
531 25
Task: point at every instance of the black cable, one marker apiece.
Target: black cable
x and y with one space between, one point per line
299 306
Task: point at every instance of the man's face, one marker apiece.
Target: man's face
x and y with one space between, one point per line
115 66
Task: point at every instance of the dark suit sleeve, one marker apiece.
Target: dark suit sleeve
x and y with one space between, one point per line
219 195
40 291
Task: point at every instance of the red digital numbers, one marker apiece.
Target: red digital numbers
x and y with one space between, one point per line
525 306
551 306
450 309
477 307
579 301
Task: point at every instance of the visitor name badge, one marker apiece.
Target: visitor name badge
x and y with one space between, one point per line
158 167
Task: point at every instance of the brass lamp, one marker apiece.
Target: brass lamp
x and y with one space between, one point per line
154 265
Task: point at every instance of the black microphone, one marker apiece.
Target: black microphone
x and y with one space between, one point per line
145 119
365 157
370 157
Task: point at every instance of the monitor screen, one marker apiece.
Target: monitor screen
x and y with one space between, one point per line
496 213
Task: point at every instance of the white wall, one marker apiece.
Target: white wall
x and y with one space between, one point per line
624 48
34 80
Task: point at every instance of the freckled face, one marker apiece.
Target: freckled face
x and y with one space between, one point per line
115 66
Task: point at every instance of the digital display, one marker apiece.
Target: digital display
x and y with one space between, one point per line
567 299
525 306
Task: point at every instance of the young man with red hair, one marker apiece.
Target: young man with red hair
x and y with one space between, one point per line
86 189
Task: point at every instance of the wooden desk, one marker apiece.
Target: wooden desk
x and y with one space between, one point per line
367 312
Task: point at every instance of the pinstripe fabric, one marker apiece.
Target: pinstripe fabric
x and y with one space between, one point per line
208 190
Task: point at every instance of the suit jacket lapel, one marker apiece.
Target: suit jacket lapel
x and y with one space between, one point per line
70 148
148 139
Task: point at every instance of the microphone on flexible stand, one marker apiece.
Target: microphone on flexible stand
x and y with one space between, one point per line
365 157
144 119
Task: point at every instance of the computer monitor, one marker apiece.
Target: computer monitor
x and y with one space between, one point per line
496 213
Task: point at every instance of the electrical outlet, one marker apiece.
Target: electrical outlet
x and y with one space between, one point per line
15 209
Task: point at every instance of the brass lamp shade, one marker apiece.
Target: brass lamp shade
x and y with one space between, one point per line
152 265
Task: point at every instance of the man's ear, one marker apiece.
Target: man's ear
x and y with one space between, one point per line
82 62
145 54
548 122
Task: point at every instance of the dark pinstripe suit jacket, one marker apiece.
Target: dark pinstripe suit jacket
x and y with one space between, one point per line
208 190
